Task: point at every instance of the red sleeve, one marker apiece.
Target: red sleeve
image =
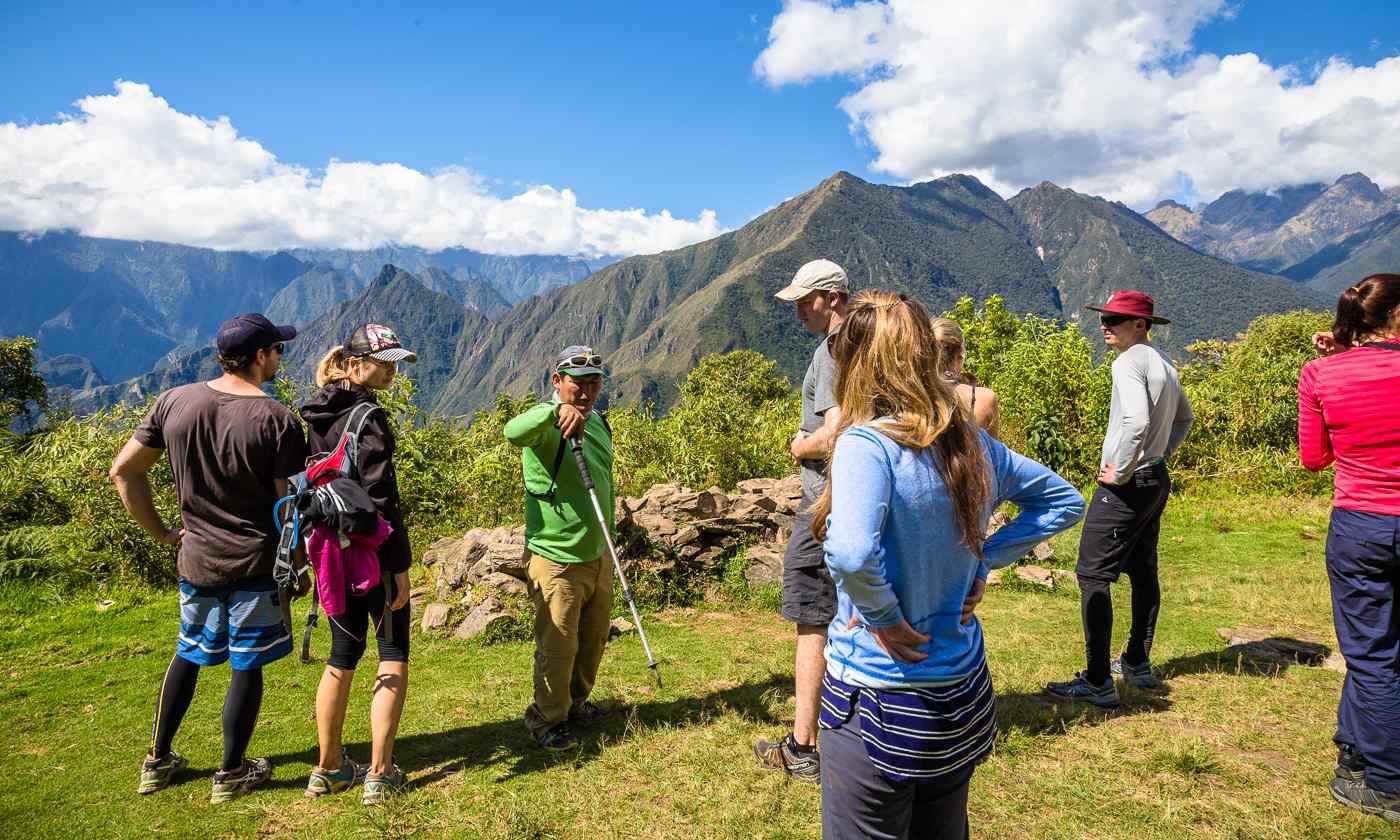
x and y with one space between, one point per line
1314 442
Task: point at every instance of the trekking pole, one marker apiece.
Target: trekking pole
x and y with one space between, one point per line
577 444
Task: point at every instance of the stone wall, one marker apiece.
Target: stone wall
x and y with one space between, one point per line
669 530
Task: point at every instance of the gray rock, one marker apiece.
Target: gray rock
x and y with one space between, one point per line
482 616
765 565
435 617
504 583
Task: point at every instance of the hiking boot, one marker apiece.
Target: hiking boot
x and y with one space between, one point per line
156 773
231 784
557 739
1137 676
1357 796
587 712
381 786
325 782
1105 696
1351 767
797 761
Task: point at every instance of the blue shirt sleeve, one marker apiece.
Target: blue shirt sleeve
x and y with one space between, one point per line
861 483
1048 504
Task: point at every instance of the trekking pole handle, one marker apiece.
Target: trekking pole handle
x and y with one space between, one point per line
577 444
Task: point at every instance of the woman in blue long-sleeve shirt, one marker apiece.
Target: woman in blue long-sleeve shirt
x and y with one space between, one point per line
907 702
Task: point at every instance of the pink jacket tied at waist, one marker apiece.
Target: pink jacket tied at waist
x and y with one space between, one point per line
352 570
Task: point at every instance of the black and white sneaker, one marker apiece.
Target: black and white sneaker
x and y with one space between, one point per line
1104 696
1137 676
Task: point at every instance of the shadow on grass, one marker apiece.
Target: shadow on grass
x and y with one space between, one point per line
1026 713
506 742
1268 657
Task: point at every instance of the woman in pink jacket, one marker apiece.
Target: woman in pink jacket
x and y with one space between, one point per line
1349 414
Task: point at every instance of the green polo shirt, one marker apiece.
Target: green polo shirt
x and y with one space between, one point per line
565 530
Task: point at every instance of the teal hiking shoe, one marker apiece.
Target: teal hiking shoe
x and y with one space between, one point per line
1105 696
326 782
231 784
157 773
1137 676
382 786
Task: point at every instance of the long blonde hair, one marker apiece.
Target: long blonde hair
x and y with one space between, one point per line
333 367
947 343
886 367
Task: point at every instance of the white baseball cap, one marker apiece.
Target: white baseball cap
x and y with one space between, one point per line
815 276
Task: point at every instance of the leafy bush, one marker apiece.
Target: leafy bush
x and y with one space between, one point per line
734 418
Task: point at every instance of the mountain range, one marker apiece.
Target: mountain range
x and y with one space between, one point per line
1283 232
487 325
105 310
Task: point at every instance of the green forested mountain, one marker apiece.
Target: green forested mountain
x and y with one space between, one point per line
655 316
1092 247
430 323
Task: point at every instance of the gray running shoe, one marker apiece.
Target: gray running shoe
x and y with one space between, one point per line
799 762
1359 797
1137 676
156 773
231 784
381 786
325 782
1104 696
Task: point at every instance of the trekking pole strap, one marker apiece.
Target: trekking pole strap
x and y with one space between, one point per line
310 625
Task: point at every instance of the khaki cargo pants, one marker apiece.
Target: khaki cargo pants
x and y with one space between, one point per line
573 605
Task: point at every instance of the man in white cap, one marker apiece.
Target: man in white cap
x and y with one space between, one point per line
818 292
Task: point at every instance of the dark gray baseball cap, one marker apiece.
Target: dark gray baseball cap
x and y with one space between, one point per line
579 360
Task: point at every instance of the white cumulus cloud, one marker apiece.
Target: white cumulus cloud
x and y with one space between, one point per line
1108 97
129 166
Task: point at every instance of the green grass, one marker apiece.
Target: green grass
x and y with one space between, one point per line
1223 752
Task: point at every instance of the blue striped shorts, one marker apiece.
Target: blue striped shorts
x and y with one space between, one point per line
918 734
240 622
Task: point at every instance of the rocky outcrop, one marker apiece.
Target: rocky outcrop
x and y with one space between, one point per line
670 530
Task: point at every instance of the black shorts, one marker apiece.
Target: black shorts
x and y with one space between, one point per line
348 631
809 595
1123 524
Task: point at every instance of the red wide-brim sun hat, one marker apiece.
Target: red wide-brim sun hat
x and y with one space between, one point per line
1130 303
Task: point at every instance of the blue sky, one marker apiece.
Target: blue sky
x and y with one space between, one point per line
645 105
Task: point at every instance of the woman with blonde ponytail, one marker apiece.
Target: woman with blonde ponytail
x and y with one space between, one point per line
348 377
907 702
981 403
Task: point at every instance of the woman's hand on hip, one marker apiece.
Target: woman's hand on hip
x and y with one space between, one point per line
900 640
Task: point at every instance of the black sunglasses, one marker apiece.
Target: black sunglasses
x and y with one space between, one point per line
1113 320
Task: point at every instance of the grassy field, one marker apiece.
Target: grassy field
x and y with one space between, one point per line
1223 752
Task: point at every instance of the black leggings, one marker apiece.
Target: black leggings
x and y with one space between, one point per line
349 631
241 705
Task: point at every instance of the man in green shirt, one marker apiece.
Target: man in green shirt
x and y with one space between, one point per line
570 576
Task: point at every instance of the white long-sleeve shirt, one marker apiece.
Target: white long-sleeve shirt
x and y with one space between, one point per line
1149 414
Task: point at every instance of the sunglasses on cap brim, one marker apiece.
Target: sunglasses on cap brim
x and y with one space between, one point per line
589 360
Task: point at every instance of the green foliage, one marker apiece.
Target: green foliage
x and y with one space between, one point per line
23 394
59 514
1052 395
1245 397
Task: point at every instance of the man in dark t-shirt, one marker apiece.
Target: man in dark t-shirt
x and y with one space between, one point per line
231 448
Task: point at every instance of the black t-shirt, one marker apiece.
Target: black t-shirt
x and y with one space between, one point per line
225 451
